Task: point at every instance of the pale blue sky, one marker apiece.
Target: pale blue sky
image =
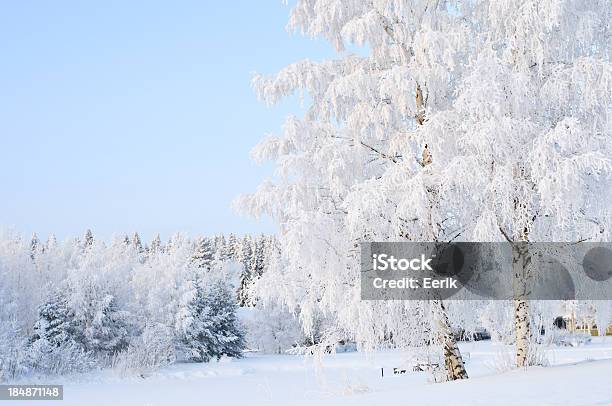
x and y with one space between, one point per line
125 116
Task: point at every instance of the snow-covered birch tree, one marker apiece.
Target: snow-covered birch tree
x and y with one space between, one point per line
464 120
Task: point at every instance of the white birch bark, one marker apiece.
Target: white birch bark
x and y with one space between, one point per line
521 260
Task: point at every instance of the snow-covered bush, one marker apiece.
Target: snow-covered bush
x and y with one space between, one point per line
154 348
497 318
13 355
564 338
272 329
67 357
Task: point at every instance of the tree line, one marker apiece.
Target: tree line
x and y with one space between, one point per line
83 303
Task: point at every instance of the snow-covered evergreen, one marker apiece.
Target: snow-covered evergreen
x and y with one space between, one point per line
204 253
57 343
56 322
156 244
207 323
232 248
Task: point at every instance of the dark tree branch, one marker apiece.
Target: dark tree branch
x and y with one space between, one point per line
505 235
382 154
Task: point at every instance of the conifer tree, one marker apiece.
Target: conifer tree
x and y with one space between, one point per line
245 251
231 248
51 242
253 263
156 245
204 254
56 323
104 326
56 345
137 244
207 324
229 332
220 248
258 258
246 259
108 330
89 239
34 246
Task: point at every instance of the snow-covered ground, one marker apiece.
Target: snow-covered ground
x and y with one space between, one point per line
577 376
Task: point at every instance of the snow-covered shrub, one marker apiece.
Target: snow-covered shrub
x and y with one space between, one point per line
272 329
12 355
565 338
151 350
497 318
68 357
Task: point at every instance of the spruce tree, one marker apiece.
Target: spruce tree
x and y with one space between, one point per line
204 254
246 259
245 251
231 248
34 246
51 242
229 333
220 244
56 345
89 239
156 245
242 294
56 324
107 327
136 243
208 324
258 258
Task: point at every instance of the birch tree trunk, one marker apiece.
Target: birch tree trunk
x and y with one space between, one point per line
521 261
522 331
453 361
522 273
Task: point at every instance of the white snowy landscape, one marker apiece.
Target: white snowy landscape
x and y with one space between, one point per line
577 376
439 122
156 323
